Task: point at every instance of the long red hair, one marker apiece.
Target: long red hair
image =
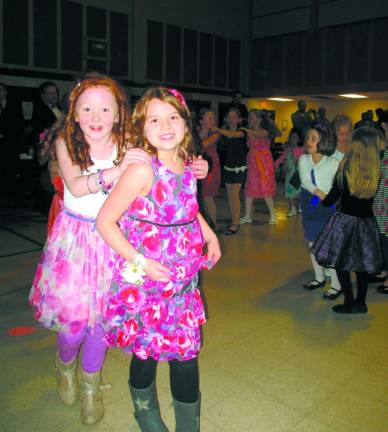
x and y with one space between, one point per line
77 147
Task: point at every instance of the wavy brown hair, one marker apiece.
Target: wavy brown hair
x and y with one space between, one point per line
137 136
77 147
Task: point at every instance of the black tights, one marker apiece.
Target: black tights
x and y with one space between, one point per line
184 377
346 285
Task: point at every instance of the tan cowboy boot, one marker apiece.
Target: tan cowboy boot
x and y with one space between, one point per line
92 407
67 382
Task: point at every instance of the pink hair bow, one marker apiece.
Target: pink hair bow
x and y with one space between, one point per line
179 96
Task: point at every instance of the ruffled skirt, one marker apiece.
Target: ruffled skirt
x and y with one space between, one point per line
71 284
349 243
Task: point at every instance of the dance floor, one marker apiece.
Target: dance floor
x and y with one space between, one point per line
275 358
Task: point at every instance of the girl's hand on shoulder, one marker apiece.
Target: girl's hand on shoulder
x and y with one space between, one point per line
200 168
320 194
156 271
132 156
213 249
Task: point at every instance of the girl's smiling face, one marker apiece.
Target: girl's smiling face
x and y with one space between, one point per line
164 128
96 111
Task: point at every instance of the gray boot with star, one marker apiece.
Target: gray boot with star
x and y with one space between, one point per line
147 411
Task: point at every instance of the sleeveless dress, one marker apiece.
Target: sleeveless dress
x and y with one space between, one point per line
235 167
157 319
261 181
69 291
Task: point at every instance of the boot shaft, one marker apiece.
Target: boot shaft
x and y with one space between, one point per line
187 415
147 411
67 381
92 407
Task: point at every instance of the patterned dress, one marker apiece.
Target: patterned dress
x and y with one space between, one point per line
380 204
261 181
69 291
157 319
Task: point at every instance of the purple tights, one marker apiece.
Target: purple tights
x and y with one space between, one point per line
93 352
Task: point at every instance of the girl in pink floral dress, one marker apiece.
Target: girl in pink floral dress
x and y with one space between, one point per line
151 220
70 288
261 182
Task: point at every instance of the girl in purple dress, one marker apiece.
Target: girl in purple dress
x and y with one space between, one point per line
350 240
70 289
151 221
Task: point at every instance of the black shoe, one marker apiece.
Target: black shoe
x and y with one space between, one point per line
382 289
344 308
360 308
231 229
376 278
314 284
332 295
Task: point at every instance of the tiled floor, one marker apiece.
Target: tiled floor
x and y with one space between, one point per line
275 358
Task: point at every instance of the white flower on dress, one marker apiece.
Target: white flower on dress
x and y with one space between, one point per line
133 273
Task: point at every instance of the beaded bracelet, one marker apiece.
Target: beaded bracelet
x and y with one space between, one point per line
133 271
105 187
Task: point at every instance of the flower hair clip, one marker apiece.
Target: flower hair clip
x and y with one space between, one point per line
178 95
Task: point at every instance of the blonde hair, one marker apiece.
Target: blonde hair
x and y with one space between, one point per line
136 127
361 163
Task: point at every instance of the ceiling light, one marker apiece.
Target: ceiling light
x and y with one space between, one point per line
279 99
354 96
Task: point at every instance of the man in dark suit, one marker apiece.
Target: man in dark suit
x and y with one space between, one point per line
11 133
44 115
46 109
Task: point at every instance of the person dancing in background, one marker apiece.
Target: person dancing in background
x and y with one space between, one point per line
151 220
291 154
209 137
235 168
380 210
350 240
317 170
261 182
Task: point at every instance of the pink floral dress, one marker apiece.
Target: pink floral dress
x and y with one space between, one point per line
155 319
261 182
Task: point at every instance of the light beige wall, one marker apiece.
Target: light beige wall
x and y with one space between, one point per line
351 108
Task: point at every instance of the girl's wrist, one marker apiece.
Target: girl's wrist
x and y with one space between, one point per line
91 183
102 183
